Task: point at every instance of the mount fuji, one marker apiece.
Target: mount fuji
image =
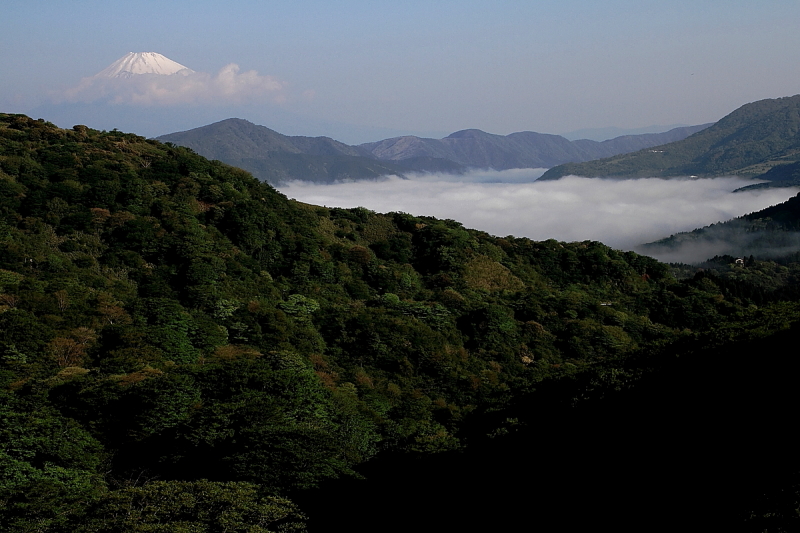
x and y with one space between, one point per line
150 94
135 63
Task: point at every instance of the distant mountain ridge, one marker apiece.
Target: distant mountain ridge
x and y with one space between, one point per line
237 138
525 149
747 142
612 132
276 158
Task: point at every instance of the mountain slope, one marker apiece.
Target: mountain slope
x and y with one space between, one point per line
275 158
772 233
136 63
747 142
182 344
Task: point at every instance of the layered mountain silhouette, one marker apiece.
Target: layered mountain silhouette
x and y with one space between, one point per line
526 149
748 142
276 158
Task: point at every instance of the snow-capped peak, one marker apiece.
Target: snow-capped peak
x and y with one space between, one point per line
134 63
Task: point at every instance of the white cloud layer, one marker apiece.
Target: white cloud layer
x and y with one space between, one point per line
228 86
622 214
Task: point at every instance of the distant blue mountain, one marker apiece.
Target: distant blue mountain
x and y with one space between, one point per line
276 158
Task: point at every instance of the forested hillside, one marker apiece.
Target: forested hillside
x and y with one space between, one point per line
183 348
772 234
747 142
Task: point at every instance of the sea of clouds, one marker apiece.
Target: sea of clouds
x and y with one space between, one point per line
620 213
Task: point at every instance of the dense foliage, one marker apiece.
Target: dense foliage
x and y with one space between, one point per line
180 345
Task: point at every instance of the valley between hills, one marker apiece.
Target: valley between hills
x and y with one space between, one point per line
182 347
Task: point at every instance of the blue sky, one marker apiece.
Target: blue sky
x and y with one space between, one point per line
359 71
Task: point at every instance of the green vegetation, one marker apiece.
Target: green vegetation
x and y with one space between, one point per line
770 234
747 142
184 349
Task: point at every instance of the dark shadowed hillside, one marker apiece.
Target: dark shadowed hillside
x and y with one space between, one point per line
184 348
772 233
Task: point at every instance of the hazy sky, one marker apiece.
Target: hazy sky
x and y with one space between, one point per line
361 70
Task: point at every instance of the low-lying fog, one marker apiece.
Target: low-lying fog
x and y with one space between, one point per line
620 213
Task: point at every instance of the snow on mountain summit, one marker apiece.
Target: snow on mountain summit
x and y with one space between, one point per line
150 79
134 63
